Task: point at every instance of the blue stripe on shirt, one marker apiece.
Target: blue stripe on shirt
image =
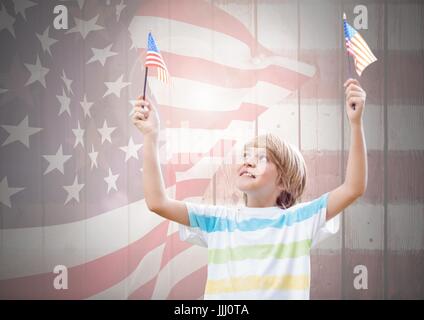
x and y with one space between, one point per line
216 224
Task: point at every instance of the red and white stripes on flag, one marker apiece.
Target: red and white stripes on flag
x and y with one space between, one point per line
357 48
154 59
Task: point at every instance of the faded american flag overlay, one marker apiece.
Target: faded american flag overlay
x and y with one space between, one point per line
71 160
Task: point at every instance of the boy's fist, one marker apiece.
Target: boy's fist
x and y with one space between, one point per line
145 117
355 100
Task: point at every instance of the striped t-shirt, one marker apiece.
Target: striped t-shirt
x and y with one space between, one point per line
257 253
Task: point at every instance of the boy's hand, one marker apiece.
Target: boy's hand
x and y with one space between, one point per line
355 100
145 118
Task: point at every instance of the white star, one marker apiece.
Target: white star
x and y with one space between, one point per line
64 103
131 150
6 192
116 87
84 27
101 55
93 157
132 102
38 72
46 41
67 82
106 132
79 135
56 161
22 5
111 181
119 8
6 21
73 190
20 133
86 106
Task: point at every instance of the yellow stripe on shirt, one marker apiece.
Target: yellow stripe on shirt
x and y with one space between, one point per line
289 282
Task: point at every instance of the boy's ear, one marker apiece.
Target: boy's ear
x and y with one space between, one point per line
280 186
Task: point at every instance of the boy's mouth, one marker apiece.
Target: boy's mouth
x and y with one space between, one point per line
247 173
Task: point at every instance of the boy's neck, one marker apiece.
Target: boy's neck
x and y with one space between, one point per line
261 202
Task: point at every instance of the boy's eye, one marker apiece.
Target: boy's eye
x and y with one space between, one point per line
247 154
258 157
262 158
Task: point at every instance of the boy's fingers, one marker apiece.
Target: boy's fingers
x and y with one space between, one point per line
140 109
139 116
354 94
135 115
141 103
347 81
351 80
140 100
144 104
353 87
138 103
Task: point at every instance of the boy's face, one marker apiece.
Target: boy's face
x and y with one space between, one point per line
257 175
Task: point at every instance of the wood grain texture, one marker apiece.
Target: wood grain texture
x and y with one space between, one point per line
405 217
312 119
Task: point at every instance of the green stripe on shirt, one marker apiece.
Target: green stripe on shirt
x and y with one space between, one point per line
260 251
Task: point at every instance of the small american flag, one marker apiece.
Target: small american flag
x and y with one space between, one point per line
357 47
154 59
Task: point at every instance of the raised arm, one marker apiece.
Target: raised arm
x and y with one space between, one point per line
355 182
147 121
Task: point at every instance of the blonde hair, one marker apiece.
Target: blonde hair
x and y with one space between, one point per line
290 165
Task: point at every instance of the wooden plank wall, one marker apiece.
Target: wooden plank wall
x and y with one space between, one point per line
383 230
404 260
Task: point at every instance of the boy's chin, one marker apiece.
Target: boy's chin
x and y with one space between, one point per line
244 186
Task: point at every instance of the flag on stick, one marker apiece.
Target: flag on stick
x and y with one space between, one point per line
154 59
357 47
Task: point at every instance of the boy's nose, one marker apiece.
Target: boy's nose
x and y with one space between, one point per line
250 162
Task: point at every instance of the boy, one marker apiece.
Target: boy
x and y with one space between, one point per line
262 250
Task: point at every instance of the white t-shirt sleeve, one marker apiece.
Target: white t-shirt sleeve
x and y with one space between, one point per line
203 219
322 229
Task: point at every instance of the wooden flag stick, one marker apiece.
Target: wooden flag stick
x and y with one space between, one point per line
145 82
350 75
350 72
